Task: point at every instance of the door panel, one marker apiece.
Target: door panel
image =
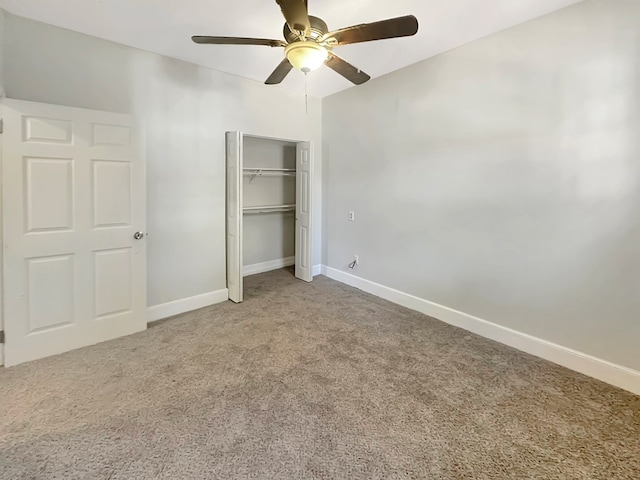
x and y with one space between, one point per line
234 216
111 193
51 293
48 186
304 163
113 271
46 130
73 197
111 135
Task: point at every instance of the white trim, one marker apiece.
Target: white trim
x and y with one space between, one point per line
169 309
267 266
317 270
608 372
2 96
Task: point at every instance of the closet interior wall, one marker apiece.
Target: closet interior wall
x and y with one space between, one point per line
269 234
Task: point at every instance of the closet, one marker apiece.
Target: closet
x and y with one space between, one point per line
268 207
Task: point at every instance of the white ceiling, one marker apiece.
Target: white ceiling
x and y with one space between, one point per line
166 26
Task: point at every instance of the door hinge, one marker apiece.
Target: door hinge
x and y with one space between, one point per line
1 337
1 126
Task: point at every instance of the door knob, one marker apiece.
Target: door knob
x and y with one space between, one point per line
138 235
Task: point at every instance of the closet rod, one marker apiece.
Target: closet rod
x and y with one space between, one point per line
268 169
257 173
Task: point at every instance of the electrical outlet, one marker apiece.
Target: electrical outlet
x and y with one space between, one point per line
351 216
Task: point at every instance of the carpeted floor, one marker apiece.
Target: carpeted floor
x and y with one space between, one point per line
306 381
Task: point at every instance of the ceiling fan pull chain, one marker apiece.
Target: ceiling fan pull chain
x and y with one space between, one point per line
306 92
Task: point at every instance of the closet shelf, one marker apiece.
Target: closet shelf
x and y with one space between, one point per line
260 172
268 169
268 209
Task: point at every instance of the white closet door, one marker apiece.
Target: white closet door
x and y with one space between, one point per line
304 269
234 216
73 202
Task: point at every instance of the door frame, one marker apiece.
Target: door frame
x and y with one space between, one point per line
2 335
310 244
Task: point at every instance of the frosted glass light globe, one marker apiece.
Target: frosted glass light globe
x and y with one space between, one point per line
306 56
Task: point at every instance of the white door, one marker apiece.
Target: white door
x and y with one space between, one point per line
73 199
304 162
234 216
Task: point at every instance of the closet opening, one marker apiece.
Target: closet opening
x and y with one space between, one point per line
268 208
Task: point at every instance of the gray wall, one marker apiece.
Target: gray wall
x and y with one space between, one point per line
502 179
185 110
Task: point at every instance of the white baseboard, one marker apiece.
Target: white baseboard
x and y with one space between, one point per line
165 310
603 370
317 270
267 266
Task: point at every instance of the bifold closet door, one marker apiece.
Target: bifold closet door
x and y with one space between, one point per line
304 160
234 216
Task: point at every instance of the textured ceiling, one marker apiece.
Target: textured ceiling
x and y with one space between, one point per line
165 27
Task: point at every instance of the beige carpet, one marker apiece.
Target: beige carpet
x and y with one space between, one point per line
306 381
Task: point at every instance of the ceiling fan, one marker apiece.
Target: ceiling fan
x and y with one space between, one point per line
309 43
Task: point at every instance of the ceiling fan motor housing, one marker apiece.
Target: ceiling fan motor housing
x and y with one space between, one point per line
318 28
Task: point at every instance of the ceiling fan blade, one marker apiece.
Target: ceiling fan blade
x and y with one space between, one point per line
237 41
295 12
344 68
279 73
391 28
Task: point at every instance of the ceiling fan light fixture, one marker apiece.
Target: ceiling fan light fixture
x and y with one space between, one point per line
306 56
